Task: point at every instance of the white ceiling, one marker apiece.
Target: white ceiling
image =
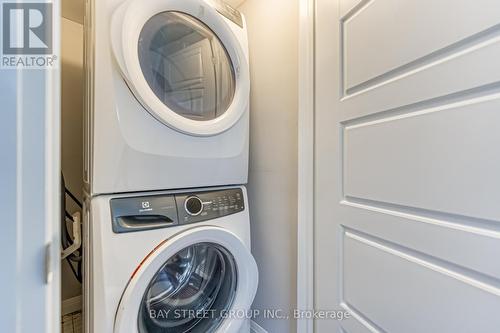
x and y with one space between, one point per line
73 9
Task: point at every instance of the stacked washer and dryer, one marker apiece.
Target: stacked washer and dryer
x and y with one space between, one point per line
167 230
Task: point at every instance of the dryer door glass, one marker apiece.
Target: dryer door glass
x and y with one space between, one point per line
191 292
186 66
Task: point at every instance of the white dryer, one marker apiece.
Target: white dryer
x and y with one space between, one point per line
167 95
169 262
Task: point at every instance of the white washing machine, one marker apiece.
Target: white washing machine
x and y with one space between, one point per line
167 95
169 262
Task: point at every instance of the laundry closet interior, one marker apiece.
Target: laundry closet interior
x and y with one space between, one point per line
179 160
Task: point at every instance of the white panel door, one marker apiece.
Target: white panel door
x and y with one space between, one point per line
407 189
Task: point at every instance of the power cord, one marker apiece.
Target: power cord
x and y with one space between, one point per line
72 196
74 258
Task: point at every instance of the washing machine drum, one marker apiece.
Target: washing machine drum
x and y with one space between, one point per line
191 292
203 280
183 63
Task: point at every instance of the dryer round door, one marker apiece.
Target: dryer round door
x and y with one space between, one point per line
183 62
194 282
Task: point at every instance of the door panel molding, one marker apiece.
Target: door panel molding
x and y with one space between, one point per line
373 46
480 40
380 155
406 271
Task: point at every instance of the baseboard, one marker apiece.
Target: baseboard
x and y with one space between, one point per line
71 305
256 328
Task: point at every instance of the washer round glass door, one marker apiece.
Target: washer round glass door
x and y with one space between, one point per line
183 62
191 282
186 66
191 292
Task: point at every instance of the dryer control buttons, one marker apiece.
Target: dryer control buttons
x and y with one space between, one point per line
193 206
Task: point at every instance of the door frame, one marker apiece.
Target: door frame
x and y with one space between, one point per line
306 133
31 239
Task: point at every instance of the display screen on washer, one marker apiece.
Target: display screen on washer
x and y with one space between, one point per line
186 66
133 214
191 292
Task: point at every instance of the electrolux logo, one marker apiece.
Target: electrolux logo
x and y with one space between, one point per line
27 34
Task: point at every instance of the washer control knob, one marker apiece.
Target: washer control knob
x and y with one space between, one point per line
193 206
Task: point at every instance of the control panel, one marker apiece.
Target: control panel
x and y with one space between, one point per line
164 211
205 206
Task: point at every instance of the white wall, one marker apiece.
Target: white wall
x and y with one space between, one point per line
72 128
273 38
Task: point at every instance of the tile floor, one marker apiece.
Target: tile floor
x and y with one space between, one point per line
72 323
